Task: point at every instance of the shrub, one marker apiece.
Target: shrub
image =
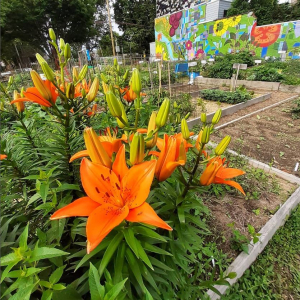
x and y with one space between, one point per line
223 67
236 97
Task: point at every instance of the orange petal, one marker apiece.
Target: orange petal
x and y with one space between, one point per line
81 207
119 166
168 170
33 94
101 221
79 154
52 89
229 173
146 214
137 182
231 183
3 156
108 147
160 143
155 153
100 183
142 130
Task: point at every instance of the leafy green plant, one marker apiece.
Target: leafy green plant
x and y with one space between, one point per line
239 241
296 110
236 97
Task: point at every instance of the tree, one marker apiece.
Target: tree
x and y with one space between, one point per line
266 11
136 19
30 20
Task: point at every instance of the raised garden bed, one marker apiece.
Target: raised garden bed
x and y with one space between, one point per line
271 136
227 109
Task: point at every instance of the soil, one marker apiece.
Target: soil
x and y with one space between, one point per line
210 107
235 208
271 136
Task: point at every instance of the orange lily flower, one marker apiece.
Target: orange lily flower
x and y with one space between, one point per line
112 197
129 95
33 95
217 172
105 145
83 85
93 110
3 156
179 139
172 155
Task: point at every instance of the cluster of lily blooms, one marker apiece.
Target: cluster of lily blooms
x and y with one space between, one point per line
117 187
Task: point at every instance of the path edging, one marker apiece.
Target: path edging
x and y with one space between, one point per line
231 110
244 261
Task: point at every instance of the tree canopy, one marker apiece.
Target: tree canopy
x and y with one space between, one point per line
136 19
29 21
266 11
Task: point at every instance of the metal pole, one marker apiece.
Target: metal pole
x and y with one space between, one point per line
150 75
169 78
110 27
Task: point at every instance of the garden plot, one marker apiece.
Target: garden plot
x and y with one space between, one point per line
232 213
271 136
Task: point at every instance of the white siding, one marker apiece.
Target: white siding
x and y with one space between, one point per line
224 5
212 11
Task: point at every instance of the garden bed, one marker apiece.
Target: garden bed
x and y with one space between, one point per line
271 136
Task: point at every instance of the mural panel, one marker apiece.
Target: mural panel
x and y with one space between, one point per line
185 35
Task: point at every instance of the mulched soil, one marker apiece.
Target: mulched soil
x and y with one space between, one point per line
271 136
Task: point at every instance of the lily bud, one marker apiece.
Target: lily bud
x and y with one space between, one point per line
124 118
115 62
95 149
125 76
137 149
175 104
39 84
40 59
93 90
217 116
203 118
52 34
47 71
187 115
114 104
223 145
205 135
105 87
75 74
152 127
67 51
163 113
83 72
104 79
19 105
3 89
10 80
136 83
83 93
185 129
61 44
70 92
22 92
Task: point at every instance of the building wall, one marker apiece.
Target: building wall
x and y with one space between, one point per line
187 35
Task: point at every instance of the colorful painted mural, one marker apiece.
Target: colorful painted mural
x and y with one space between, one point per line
185 35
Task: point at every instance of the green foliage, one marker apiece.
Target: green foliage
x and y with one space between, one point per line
296 110
72 20
236 97
223 67
275 274
133 18
266 11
